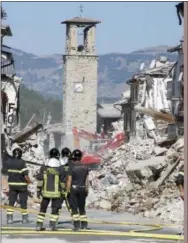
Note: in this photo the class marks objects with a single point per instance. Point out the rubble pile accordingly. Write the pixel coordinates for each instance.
(139, 178)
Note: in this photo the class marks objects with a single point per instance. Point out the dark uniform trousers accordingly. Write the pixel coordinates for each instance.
(43, 208)
(14, 193)
(78, 199)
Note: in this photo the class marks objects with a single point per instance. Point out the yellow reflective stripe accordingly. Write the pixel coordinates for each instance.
(75, 217)
(40, 218)
(24, 169)
(83, 218)
(181, 173)
(10, 212)
(45, 182)
(54, 217)
(56, 183)
(17, 183)
(15, 171)
(24, 213)
(50, 195)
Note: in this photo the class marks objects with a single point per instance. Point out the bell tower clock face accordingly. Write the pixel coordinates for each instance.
(78, 87)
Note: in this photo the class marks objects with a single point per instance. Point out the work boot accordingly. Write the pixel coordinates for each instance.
(9, 219)
(76, 225)
(25, 219)
(84, 225)
(53, 226)
(39, 226)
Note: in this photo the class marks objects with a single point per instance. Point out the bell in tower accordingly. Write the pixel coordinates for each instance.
(80, 64)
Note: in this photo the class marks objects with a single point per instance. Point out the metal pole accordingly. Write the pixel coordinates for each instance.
(185, 50)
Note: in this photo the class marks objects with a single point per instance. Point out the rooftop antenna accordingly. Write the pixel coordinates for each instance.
(81, 9)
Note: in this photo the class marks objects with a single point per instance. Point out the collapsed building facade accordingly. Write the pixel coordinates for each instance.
(10, 85)
(154, 102)
(11, 134)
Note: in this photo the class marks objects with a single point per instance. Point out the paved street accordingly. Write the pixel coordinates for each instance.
(98, 232)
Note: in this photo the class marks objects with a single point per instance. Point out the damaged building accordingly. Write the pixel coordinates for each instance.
(175, 86)
(10, 84)
(147, 98)
(11, 135)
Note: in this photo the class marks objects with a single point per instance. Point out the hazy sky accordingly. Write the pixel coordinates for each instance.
(125, 27)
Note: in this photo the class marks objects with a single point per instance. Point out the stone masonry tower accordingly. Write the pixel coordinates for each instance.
(80, 75)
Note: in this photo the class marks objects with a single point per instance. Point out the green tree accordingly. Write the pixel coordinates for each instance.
(33, 102)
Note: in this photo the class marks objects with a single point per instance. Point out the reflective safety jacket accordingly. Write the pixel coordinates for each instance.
(49, 180)
(180, 179)
(16, 170)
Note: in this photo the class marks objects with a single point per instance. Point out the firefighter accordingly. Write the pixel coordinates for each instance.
(65, 161)
(18, 180)
(65, 156)
(77, 185)
(49, 187)
(180, 183)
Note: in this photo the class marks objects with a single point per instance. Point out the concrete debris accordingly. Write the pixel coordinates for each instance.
(126, 181)
(26, 133)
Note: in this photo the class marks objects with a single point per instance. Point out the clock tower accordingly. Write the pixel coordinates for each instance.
(80, 75)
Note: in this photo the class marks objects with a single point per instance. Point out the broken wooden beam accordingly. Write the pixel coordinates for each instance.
(157, 115)
(169, 170)
(26, 133)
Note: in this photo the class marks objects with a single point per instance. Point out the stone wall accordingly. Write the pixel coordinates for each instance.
(80, 109)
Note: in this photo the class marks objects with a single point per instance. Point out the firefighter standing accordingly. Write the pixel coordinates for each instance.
(49, 186)
(65, 161)
(18, 180)
(180, 183)
(77, 185)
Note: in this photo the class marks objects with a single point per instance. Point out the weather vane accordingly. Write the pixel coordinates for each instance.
(81, 10)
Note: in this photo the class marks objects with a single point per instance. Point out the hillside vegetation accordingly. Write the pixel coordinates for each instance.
(45, 73)
(32, 102)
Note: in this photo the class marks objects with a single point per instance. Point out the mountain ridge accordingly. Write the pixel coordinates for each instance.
(44, 73)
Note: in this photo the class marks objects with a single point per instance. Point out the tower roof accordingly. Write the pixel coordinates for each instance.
(80, 20)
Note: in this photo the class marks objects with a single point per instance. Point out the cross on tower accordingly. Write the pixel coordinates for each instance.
(81, 10)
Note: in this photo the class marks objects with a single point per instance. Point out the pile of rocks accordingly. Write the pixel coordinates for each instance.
(139, 178)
